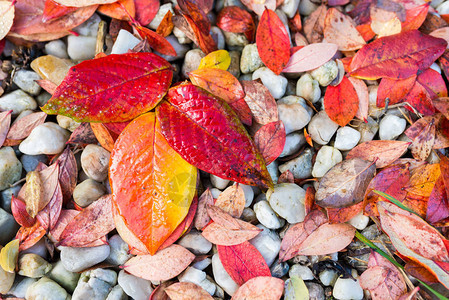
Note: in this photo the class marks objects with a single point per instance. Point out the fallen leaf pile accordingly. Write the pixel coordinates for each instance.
(168, 133)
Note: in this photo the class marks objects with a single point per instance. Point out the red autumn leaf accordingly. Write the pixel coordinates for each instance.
(146, 10)
(262, 287)
(201, 39)
(54, 10)
(120, 10)
(18, 209)
(92, 92)
(442, 105)
(187, 291)
(362, 93)
(232, 200)
(68, 173)
(260, 101)
(341, 102)
(270, 140)
(441, 129)
(310, 57)
(414, 17)
(383, 153)
(202, 217)
(156, 41)
(341, 30)
(163, 265)
(48, 217)
(236, 19)
(243, 262)
(217, 143)
(438, 204)
(344, 214)
(5, 122)
(29, 236)
(23, 127)
(199, 17)
(423, 143)
(273, 42)
(383, 57)
(417, 270)
(83, 134)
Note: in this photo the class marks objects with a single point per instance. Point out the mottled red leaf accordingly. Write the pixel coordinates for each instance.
(236, 19)
(146, 10)
(217, 143)
(110, 89)
(438, 204)
(54, 10)
(201, 39)
(29, 236)
(341, 102)
(383, 153)
(221, 235)
(262, 287)
(314, 24)
(243, 262)
(156, 41)
(18, 209)
(48, 217)
(414, 17)
(417, 270)
(270, 140)
(198, 16)
(397, 56)
(442, 105)
(310, 57)
(273, 42)
(344, 214)
(68, 173)
(423, 143)
(260, 101)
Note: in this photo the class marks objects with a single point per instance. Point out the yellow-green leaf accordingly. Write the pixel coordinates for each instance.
(219, 59)
(9, 255)
(296, 289)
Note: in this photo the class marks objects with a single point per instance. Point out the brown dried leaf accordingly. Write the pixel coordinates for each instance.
(340, 29)
(34, 194)
(68, 173)
(423, 143)
(232, 200)
(314, 25)
(187, 291)
(202, 217)
(260, 101)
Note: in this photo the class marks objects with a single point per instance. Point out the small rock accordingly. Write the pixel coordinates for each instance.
(163, 9)
(268, 243)
(273, 171)
(196, 243)
(346, 288)
(306, 7)
(26, 81)
(95, 284)
(373, 111)
(287, 200)
(218, 37)
(301, 167)
(10, 168)
(294, 113)
(87, 192)
(234, 67)
(66, 279)
(51, 68)
(250, 60)
(359, 221)
(443, 8)
(326, 73)
(308, 88)
(316, 291)
(249, 194)
(321, 128)
(248, 215)
(435, 67)
(391, 127)
(67, 123)
(368, 130)
(81, 47)
(202, 264)
(279, 269)
(197, 277)
(192, 61)
(95, 162)
(266, 215)
(180, 49)
(235, 39)
(56, 48)
(135, 287)
(276, 84)
(293, 142)
(119, 251)
(43, 98)
(218, 182)
(125, 41)
(181, 36)
(326, 158)
(48, 138)
(347, 138)
(328, 277)
(221, 277)
(32, 265)
(46, 288)
(302, 272)
(90, 27)
(289, 7)
(8, 226)
(21, 286)
(6, 196)
(30, 162)
(17, 101)
(78, 259)
(117, 293)
(40, 249)
(215, 192)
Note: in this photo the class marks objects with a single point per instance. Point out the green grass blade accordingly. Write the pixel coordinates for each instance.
(393, 200)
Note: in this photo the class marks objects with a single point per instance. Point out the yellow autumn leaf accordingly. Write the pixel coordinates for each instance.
(297, 289)
(219, 59)
(9, 255)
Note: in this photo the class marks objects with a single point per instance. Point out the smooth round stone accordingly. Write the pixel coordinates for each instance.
(279, 269)
(266, 215)
(306, 7)
(250, 60)
(316, 291)
(268, 243)
(117, 293)
(197, 277)
(192, 61)
(301, 167)
(30, 162)
(234, 67)
(221, 277)
(373, 111)
(249, 194)
(46, 288)
(135, 287)
(215, 192)
(17, 101)
(21, 286)
(78, 259)
(67, 123)
(8, 227)
(235, 39)
(391, 127)
(39, 249)
(273, 171)
(328, 277)
(56, 48)
(321, 128)
(163, 9)
(368, 130)
(347, 289)
(293, 142)
(347, 138)
(32, 265)
(326, 158)
(125, 41)
(294, 113)
(287, 200)
(302, 272)
(276, 84)
(6, 196)
(95, 284)
(202, 264)
(25, 80)
(196, 243)
(87, 192)
(48, 138)
(443, 8)
(218, 182)
(10, 167)
(95, 162)
(180, 49)
(248, 215)
(52, 68)
(359, 221)
(308, 88)
(43, 98)
(289, 7)
(81, 47)
(326, 73)
(218, 37)
(119, 251)
(90, 27)
(181, 36)
(66, 279)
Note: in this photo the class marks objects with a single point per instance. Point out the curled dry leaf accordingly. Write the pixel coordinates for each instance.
(5, 121)
(165, 28)
(344, 214)
(382, 153)
(163, 265)
(232, 200)
(222, 218)
(7, 13)
(9, 256)
(442, 105)
(92, 93)
(34, 194)
(68, 173)
(341, 30)
(341, 102)
(219, 59)
(310, 57)
(187, 291)
(202, 217)
(345, 184)
(29, 236)
(415, 17)
(260, 101)
(262, 288)
(243, 262)
(49, 216)
(270, 140)
(82, 3)
(259, 7)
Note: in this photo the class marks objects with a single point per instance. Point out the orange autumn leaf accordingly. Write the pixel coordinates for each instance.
(232, 200)
(166, 26)
(186, 291)
(103, 135)
(341, 30)
(341, 215)
(121, 9)
(341, 102)
(422, 180)
(414, 17)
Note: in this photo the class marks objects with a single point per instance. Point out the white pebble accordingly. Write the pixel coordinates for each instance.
(218, 37)
(326, 73)
(249, 194)
(119, 253)
(308, 88)
(81, 47)
(294, 113)
(125, 41)
(235, 39)
(10, 169)
(306, 7)
(95, 162)
(302, 272)
(17, 101)
(289, 7)
(391, 127)
(368, 130)
(195, 242)
(276, 84)
(90, 27)
(197, 277)
(135, 287)
(273, 171)
(321, 128)
(215, 192)
(346, 288)
(221, 277)
(359, 221)
(301, 166)
(268, 243)
(218, 182)
(57, 48)
(293, 142)
(325, 159)
(48, 138)
(26, 81)
(78, 259)
(287, 200)
(181, 36)
(192, 61)
(266, 215)
(328, 277)
(347, 138)
(250, 60)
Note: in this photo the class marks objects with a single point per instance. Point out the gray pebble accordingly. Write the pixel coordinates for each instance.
(25, 80)
(30, 162)
(78, 259)
(8, 227)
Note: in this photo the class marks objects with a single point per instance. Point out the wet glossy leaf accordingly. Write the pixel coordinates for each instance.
(147, 173)
(362, 93)
(54, 10)
(217, 143)
(270, 140)
(82, 3)
(383, 153)
(202, 39)
(103, 136)
(383, 57)
(186, 291)
(9, 256)
(438, 205)
(232, 200)
(262, 287)
(219, 59)
(340, 29)
(202, 217)
(163, 265)
(5, 122)
(341, 102)
(236, 19)
(310, 57)
(345, 184)
(135, 245)
(29, 236)
(243, 262)
(146, 10)
(260, 101)
(23, 127)
(156, 41)
(18, 209)
(166, 26)
(91, 92)
(273, 42)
